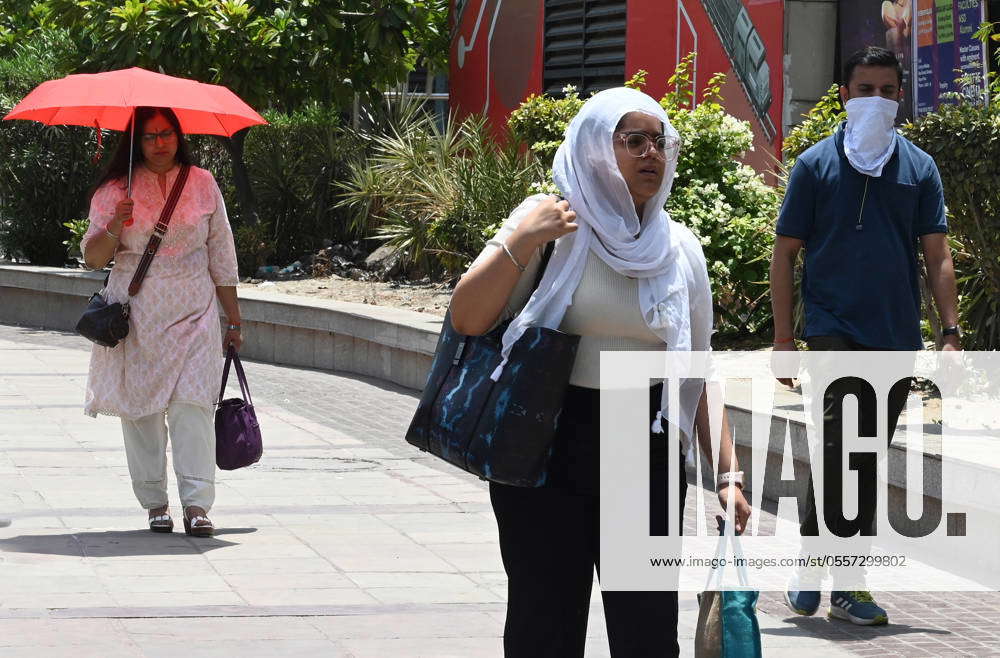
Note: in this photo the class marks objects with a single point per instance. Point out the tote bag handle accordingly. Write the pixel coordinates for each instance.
(232, 357)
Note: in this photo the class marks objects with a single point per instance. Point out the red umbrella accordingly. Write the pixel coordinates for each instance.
(108, 100)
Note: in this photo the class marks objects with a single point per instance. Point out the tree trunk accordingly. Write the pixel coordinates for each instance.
(241, 178)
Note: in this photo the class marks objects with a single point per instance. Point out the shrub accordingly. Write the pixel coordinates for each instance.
(293, 165)
(45, 172)
(540, 122)
(820, 122)
(964, 140)
(726, 203)
(254, 247)
(437, 195)
(77, 229)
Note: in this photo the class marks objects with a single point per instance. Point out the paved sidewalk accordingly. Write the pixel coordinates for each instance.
(343, 541)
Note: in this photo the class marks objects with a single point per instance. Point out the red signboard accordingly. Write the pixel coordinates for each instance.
(497, 56)
(744, 40)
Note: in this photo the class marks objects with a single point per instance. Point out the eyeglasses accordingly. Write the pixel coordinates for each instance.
(165, 135)
(639, 144)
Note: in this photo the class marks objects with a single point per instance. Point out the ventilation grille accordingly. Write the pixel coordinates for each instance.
(584, 45)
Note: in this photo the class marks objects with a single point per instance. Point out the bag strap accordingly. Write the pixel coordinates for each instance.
(158, 231)
(720, 552)
(233, 357)
(546, 256)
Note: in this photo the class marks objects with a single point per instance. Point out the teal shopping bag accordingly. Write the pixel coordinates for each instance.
(740, 631)
(727, 620)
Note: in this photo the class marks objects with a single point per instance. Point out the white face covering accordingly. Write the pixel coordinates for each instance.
(870, 138)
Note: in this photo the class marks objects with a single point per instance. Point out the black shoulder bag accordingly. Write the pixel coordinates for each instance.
(107, 324)
(500, 431)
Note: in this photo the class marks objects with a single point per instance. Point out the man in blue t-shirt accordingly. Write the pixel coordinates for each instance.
(859, 202)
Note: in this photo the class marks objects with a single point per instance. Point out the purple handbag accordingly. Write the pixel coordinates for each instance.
(237, 433)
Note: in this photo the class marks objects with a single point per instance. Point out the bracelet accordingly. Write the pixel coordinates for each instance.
(112, 235)
(520, 268)
(784, 340)
(727, 478)
(233, 327)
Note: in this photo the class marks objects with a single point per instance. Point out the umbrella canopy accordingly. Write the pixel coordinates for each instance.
(109, 99)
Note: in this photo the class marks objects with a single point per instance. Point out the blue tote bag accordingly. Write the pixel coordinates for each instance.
(500, 431)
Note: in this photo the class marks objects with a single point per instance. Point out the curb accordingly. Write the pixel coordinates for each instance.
(391, 344)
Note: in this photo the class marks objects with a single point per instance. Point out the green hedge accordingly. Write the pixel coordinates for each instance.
(294, 165)
(964, 140)
(45, 172)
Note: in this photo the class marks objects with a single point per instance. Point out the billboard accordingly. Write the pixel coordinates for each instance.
(889, 25)
(933, 39)
(946, 51)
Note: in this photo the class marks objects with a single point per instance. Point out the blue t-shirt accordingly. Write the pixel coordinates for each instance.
(861, 235)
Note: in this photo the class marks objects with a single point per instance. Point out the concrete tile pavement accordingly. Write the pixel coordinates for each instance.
(344, 541)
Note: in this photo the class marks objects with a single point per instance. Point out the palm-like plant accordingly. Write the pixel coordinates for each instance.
(435, 194)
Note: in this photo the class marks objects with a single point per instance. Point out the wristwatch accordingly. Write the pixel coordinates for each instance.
(953, 330)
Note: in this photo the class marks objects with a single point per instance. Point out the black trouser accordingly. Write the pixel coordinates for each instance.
(833, 443)
(550, 543)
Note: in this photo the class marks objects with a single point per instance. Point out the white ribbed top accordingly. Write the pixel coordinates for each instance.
(605, 314)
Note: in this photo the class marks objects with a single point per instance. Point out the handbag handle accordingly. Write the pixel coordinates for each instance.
(720, 552)
(233, 357)
(158, 231)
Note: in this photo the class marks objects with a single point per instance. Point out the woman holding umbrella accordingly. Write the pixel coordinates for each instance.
(166, 373)
(168, 370)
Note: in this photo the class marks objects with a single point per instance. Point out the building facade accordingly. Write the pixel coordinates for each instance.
(779, 56)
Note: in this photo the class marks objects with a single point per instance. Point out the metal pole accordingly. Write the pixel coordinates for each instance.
(131, 149)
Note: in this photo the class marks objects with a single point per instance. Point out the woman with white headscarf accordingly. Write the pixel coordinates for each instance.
(623, 276)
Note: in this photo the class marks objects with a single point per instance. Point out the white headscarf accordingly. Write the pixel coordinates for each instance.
(586, 172)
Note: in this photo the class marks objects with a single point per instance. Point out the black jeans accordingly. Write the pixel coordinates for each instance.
(833, 443)
(550, 544)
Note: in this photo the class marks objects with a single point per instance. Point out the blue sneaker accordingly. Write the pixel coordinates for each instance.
(858, 608)
(805, 602)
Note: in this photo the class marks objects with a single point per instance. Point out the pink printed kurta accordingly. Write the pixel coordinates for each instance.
(173, 352)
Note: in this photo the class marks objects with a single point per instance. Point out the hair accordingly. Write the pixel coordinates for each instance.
(872, 56)
(117, 167)
(621, 122)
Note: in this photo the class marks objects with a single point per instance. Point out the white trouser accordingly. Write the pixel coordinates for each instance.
(192, 439)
